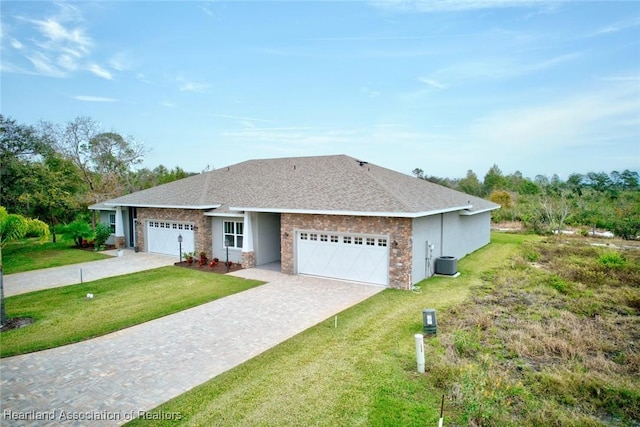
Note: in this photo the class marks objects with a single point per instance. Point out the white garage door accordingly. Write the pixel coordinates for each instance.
(357, 257)
(162, 237)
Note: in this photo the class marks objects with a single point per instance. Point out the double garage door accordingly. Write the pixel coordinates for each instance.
(357, 257)
(162, 237)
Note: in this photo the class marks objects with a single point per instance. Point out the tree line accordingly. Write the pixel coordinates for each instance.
(55, 171)
(609, 201)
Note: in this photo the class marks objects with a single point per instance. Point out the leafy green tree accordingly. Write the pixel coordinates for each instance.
(493, 180)
(14, 227)
(419, 173)
(20, 147)
(626, 219)
(470, 184)
(599, 181)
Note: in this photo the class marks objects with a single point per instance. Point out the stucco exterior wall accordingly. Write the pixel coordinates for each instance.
(202, 225)
(266, 237)
(452, 234)
(425, 229)
(217, 243)
(398, 229)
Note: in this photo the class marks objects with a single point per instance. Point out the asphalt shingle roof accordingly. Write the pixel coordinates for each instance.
(336, 183)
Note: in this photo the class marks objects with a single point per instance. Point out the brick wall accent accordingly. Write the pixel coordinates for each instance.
(202, 234)
(248, 259)
(398, 229)
(119, 242)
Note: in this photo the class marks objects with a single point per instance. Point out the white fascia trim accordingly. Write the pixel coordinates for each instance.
(142, 205)
(101, 208)
(354, 213)
(224, 214)
(468, 213)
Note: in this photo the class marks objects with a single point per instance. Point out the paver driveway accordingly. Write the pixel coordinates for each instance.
(131, 262)
(108, 380)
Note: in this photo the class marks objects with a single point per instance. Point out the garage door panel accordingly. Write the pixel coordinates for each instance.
(346, 257)
(162, 237)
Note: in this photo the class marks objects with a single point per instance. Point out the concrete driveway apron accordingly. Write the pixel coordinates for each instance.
(112, 379)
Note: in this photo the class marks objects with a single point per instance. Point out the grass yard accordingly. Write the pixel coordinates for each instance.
(362, 373)
(64, 315)
(29, 254)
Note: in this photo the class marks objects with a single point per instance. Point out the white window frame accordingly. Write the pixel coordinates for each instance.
(235, 232)
(112, 223)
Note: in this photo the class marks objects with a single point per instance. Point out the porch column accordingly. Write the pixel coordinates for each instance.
(119, 234)
(248, 254)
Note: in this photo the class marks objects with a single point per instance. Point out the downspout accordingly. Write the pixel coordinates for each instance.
(442, 234)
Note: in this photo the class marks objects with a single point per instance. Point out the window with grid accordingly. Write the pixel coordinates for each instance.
(233, 234)
(112, 223)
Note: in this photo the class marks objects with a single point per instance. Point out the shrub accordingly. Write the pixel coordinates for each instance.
(612, 260)
(101, 234)
(78, 230)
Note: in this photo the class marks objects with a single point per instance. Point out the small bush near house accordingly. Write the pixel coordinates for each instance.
(101, 234)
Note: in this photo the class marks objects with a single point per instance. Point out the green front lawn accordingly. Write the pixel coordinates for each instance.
(64, 315)
(362, 373)
(29, 254)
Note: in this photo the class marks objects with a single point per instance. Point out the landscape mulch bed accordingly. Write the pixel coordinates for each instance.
(15, 323)
(220, 268)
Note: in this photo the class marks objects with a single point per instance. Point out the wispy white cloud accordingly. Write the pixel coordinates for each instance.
(433, 83)
(573, 121)
(87, 98)
(59, 45)
(143, 78)
(502, 67)
(16, 44)
(99, 71)
(167, 104)
(244, 118)
(44, 65)
(121, 61)
(189, 86)
(618, 26)
(58, 37)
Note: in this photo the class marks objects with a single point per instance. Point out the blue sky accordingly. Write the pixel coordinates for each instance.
(447, 86)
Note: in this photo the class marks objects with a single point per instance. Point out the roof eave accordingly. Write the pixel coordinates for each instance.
(479, 211)
(159, 206)
(351, 213)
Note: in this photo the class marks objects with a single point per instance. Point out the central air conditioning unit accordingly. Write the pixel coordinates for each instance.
(447, 265)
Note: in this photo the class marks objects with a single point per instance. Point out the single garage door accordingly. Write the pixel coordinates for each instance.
(357, 257)
(162, 237)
